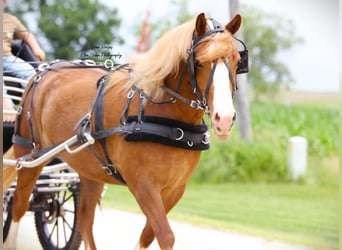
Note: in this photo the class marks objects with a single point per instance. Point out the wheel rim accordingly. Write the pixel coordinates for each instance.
(59, 220)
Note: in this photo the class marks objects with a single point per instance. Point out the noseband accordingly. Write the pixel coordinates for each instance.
(201, 101)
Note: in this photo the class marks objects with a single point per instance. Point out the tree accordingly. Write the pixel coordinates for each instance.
(242, 100)
(71, 27)
(266, 36)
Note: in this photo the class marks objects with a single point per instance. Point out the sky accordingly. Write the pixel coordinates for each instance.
(314, 64)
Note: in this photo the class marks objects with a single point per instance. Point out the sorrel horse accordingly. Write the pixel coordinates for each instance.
(146, 118)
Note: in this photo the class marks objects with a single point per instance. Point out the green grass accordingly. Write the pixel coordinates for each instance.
(264, 159)
(244, 187)
(298, 213)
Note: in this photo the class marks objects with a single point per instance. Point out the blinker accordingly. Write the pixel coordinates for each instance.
(243, 63)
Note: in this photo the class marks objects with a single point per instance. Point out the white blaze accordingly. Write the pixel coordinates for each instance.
(223, 101)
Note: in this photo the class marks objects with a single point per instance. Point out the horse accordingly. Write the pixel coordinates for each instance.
(146, 119)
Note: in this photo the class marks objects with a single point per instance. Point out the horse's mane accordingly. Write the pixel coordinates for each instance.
(148, 70)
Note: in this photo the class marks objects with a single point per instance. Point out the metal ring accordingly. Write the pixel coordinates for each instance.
(182, 134)
(107, 170)
(130, 94)
(18, 166)
(206, 138)
(37, 78)
(43, 66)
(90, 62)
(190, 143)
(108, 64)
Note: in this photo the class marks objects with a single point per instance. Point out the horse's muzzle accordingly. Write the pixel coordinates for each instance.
(222, 125)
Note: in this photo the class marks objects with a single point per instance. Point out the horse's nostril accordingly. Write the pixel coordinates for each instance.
(234, 117)
(217, 117)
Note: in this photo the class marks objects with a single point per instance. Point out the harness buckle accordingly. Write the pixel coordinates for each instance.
(37, 79)
(196, 105)
(204, 101)
(20, 110)
(107, 170)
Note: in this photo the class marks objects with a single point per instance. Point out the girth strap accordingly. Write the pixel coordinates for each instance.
(170, 132)
(98, 116)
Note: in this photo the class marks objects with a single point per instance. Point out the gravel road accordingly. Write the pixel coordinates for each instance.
(120, 230)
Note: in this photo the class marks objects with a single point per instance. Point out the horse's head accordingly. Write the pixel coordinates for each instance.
(214, 59)
(209, 52)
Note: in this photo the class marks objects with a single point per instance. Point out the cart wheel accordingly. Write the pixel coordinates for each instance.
(6, 219)
(57, 226)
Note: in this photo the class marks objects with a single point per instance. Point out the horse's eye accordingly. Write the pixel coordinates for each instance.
(198, 64)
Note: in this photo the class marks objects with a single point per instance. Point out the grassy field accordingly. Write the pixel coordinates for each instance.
(313, 99)
(297, 213)
(328, 100)
(304, 212)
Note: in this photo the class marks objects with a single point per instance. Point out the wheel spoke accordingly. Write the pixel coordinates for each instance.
(67, 223)
(58, 226)
(69, 210)
(52, 231)
(65, 230)
(66, 199)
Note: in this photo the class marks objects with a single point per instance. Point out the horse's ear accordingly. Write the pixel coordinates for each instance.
(234, 25)
(201, 24)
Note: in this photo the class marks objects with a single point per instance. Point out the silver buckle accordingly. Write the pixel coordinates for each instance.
(206, 138)
(182, 134)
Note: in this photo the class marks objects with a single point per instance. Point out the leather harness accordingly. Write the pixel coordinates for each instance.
(140, 127)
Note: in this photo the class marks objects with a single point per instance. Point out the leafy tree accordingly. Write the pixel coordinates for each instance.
(71, 27)
(266, 35)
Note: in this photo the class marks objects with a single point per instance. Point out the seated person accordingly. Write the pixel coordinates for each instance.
(14, 29)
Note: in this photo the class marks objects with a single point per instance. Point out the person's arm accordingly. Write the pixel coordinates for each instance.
(32, 42)
(22, 33)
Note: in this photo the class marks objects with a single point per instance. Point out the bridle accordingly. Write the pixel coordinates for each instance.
(191, 63)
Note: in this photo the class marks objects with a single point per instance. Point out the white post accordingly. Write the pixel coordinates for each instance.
(297, 157)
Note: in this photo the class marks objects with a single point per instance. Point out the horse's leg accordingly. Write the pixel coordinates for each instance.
(170, 199)
(90, 193)
(9, 172)
(26, 181)
(146, 237)
(157, 224)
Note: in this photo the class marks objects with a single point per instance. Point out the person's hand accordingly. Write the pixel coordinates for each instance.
(40, 54)
(36, 49)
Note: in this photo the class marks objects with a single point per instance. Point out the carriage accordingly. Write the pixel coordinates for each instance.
(140, 125)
